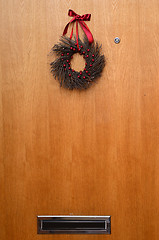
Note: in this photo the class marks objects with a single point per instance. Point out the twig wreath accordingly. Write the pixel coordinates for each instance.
(67, 47)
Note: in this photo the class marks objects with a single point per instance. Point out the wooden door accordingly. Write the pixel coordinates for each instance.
(94, 152)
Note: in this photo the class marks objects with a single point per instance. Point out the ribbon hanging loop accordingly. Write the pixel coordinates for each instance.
(79, 19)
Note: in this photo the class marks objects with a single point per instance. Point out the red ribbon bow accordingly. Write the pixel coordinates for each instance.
(79, 19)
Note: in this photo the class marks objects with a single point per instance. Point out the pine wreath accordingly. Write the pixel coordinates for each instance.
(66, 48)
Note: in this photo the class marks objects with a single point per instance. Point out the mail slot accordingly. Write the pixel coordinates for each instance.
(73, 224)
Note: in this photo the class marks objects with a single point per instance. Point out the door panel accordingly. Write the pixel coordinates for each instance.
(94, 152)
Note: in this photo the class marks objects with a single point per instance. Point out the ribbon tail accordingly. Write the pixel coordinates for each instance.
(71, 32)
(87, 31)
(66, 28)
(77, 35)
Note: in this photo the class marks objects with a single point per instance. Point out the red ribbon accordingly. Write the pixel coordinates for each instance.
(79, 19)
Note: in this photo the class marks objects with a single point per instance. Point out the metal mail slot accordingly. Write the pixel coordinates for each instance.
(74, 224)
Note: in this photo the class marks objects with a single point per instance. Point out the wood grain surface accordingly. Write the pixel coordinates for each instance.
(94, 152)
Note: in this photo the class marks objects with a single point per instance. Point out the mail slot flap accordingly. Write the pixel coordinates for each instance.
(73, 224)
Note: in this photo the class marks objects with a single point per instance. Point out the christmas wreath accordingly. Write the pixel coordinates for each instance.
(67, 47)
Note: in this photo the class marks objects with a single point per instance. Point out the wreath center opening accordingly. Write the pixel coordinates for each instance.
(78, 62)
